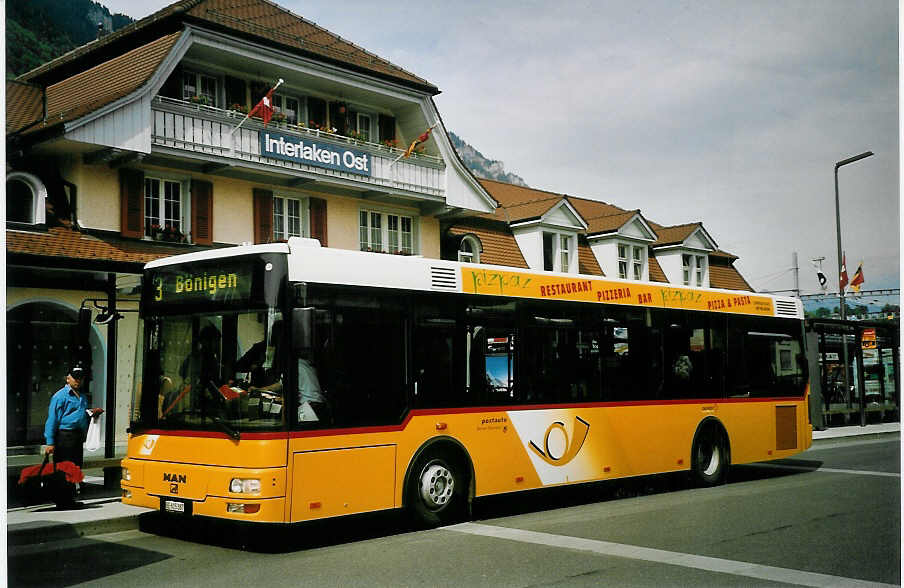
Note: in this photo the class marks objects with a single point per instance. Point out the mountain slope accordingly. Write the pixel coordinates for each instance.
(491, 169)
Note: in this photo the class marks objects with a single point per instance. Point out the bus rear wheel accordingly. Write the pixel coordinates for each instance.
(438, 490)
(709, 456)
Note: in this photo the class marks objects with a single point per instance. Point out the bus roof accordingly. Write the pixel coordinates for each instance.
(308, 262)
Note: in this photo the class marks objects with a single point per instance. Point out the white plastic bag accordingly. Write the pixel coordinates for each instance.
(92, 443)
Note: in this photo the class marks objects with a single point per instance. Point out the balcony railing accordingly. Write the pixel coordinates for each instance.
(206, 129)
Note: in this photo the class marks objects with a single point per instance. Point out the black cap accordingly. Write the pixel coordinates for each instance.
(78, 372)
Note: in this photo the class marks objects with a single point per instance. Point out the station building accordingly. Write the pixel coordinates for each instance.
(136, 146)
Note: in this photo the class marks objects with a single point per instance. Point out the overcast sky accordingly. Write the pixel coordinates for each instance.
(732, 113)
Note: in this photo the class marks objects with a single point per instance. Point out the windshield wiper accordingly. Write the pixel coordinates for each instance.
(218, 421)
(226, 428)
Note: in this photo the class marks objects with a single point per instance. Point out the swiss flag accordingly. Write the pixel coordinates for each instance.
(264, 108)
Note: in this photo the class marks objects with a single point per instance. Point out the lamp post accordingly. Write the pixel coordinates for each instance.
(847, 385)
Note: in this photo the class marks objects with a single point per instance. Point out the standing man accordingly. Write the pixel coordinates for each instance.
(67, 420)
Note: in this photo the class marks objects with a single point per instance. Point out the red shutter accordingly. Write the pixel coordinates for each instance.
(131, 203)
(263, 216)
(202, 212)
(318, 220)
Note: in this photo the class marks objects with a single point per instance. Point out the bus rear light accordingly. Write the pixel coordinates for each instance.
(607, 469)
(519, 479)
(314, 505)
(441, 426)
(680, 462)
(243, 508)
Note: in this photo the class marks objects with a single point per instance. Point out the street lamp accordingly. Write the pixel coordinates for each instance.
(847, 385)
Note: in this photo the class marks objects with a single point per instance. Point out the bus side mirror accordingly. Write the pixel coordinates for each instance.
(302, 330)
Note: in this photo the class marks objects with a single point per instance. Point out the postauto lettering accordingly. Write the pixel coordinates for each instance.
(289, 148)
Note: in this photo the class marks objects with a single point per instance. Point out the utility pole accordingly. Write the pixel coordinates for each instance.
(796, 274)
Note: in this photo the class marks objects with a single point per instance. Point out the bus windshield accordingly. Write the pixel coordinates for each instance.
(218, 371)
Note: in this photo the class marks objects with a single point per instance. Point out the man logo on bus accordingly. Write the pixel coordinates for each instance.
(559, 456)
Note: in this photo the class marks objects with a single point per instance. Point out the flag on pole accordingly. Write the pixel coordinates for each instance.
(263, 109)
(820, 276)
(407, 153)
(857, 280)
(422, 139)
(843, 278)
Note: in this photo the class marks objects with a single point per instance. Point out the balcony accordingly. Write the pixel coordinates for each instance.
(311, 153)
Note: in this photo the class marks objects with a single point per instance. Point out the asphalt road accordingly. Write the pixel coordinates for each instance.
(829, 517)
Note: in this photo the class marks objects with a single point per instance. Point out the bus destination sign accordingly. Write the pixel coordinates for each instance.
(500, 282)
(197, 285)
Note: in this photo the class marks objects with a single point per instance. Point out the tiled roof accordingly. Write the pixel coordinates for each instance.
(90, 90)
(726, 276)
(591, 210)
(587, 263)
(499, 246)
(25, 100)
(674, 234)
(609, 223)
(260, 19)
(67, 244)
(656, 273)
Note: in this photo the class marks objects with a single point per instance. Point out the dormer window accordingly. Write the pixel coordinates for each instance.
(25, 195)
(469, 249)
(631, 260)
(693, 266)
(558, 251)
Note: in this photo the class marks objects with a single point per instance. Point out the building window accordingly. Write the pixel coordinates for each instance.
(197, 87)
(557, 252)
(469, 250)
(385, 232)
(700, 269)
(287, 218)
(623, 261)
(164, 208)
(564, 252)
(638, 263)
(289, 106)
(25, 195)
(363, 126)
(686, 269)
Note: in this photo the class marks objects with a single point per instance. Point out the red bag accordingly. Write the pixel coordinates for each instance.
(50, 482)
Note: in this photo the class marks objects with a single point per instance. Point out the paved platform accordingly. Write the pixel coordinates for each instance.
(100, 510)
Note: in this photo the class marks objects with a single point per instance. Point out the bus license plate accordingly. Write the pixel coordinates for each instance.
(174, 506)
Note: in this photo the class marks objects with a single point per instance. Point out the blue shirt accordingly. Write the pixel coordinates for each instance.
(67, 411)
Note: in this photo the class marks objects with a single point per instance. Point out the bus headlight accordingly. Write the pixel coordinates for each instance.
(126, 475)
(245, 486)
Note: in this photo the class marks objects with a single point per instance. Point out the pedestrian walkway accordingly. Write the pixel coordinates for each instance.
(100, 509)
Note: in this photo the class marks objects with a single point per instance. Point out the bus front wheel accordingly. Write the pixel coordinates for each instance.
(438, 490)
(709, 456)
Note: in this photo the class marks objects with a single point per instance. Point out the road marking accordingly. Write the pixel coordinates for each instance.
(699, 562)
(822, 469)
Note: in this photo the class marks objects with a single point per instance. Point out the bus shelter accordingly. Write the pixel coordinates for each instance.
(869, 353)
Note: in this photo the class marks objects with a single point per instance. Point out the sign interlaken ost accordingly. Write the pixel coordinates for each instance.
(317, 153)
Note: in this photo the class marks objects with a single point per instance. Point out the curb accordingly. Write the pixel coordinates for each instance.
(44, 531)
(865, 436)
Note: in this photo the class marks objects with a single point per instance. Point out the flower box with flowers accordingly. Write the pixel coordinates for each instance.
(199, 100)
(172, 235)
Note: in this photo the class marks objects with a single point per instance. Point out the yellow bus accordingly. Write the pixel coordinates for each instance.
(286, 382)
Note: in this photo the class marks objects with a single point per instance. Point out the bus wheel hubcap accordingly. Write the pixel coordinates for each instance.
(714, 459)
(436, 486)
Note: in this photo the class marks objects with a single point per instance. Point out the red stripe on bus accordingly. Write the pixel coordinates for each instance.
(465, 410)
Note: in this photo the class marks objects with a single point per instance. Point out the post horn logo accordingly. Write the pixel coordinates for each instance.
(572, 446)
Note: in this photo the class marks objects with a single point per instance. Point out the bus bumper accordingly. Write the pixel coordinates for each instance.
(268, 510)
